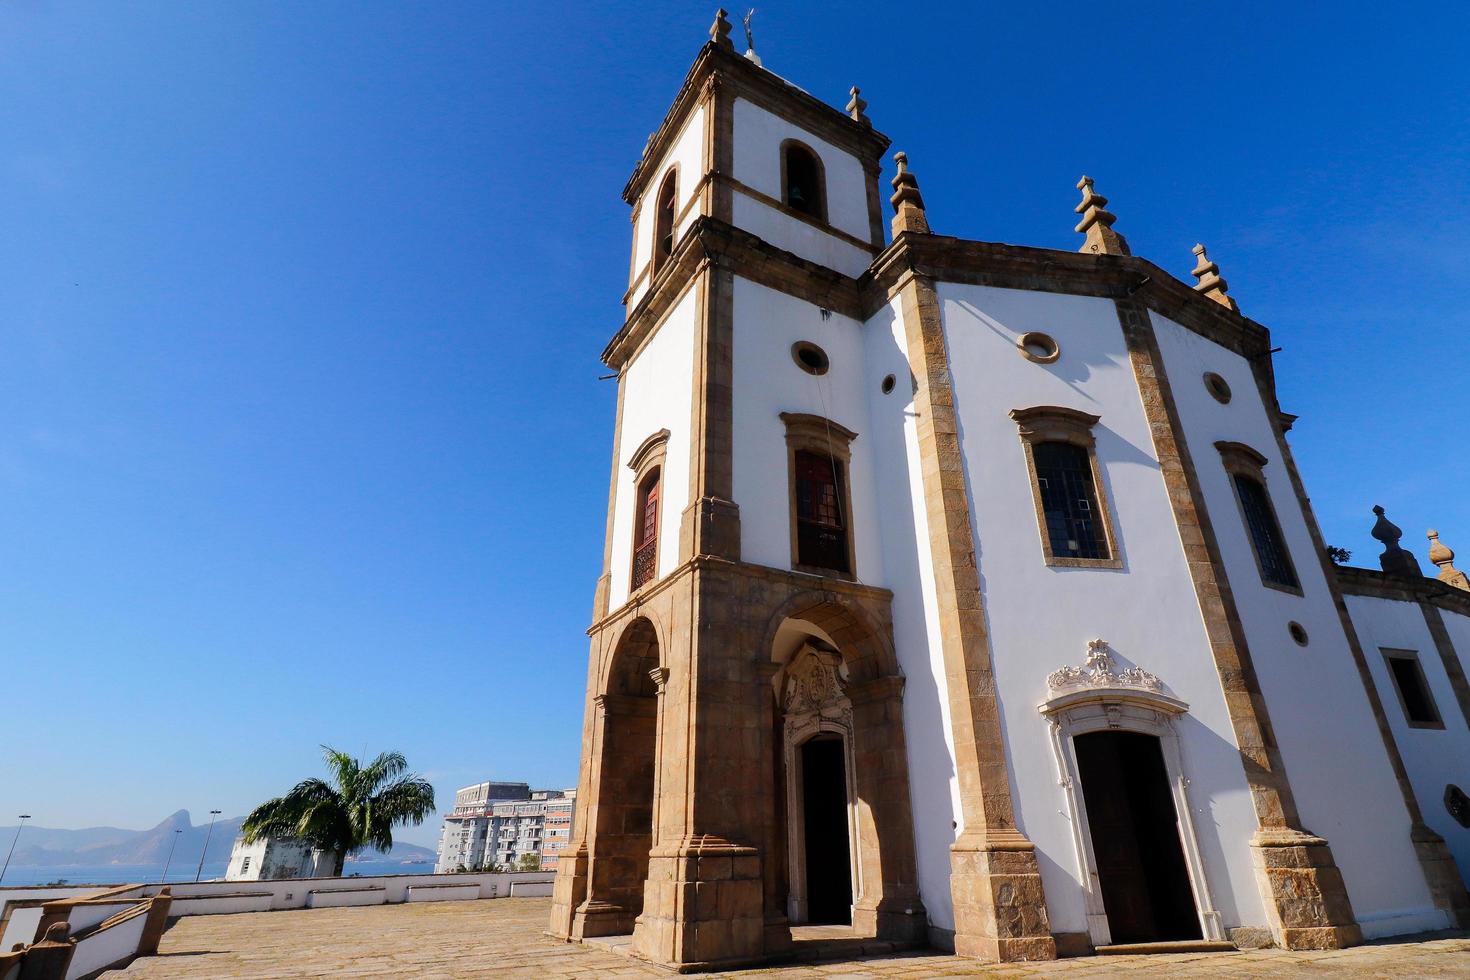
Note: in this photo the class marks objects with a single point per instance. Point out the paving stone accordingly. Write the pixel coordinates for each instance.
(505, 939)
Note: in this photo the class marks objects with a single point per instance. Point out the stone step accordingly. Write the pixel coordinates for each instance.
(1177, 946)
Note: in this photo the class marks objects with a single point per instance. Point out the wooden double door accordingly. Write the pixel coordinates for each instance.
(1135, 838)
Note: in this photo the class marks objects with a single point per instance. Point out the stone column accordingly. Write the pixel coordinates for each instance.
(999, 905)
(1304, 891)
(889, 906)
(704, 902)
(775, 866)
(569, 891)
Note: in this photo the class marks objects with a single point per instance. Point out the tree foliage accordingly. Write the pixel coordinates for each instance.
(357, 808)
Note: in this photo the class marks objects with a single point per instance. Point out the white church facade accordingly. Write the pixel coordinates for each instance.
(968, 593)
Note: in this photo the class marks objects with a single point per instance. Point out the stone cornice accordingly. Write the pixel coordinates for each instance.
(1373, 584)
(946, 259)
(800, 581)
(941, 259)
(709, 241)
(765, 89)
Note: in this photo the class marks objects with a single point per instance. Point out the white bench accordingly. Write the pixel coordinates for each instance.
(443, 893)
(530, 889)
(333, 898)
(221, 904)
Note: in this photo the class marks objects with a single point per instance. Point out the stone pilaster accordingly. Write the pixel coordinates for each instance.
(995, 883)
(1440, 871)
(1304, 892)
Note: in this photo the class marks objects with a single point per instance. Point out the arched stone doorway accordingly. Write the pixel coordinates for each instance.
(842, 844)
(621, 814)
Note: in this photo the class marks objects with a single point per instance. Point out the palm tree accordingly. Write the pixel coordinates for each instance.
(358, 809)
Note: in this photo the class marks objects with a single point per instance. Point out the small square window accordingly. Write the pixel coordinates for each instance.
(1413, 689)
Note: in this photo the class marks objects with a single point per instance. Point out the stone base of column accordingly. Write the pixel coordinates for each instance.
(896, 920)
(703, 907)
(1442, 875)
(568, 892)
(593, 919)
(999, 906)
(1307, 899)
(777, 935)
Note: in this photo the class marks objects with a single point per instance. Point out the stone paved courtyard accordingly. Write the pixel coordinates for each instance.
(503, 939)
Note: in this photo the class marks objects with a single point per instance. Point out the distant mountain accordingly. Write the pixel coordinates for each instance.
(48, 847)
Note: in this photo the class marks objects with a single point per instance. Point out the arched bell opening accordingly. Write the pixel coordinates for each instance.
(622, 811)
(841, 774)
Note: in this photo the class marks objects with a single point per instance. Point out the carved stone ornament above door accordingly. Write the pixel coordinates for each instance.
(1101, 680)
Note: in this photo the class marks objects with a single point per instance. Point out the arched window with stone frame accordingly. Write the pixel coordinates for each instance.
(647, 466)
(666, 203)
(819, 452)
(1246, 469)
(803, 180)
(1067, 488)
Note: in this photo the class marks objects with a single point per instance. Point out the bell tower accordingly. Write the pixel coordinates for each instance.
(733, 569)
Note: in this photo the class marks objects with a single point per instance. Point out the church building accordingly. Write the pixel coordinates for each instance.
(967, 594)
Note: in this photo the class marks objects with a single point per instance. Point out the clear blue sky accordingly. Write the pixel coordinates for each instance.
(301, 437)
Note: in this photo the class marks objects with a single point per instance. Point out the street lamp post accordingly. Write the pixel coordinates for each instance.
(170, 857)
(23, 818)
(200, 870)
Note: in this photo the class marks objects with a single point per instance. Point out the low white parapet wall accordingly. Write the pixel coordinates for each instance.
(20, 908)
(335, 898)
(302, 893)
(447, 892)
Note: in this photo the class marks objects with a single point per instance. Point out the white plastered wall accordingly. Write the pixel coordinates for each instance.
(1458, 627)
(888, 520)
(766, 382)
(1335, 760)
(757, 164)
(1040, 617)
(687, 153)
(1433, 757)
(908, 564)
(657, 395)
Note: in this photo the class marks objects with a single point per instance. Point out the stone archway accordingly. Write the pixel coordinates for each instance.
(840, 684)
(620, 814)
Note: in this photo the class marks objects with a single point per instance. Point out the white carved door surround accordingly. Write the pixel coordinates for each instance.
(1099, 697)
(814, 701)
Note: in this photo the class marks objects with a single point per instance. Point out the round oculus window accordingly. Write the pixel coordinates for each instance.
(809, 357)
(1298, 633)
(1218, 388)
(1458, 804)
(1038, 347)
(888, 383)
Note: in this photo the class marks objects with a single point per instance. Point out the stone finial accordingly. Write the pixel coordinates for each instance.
(908, 204)
(1444, 559)
(1097, 223)
(1394, 560)
(719, 31)
(855, 107)
(1210, 284)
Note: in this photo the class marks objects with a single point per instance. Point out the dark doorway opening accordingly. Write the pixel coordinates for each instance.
(824, 812)
(1135, 838)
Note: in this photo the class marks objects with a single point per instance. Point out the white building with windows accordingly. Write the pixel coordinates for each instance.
(274, 858)
(501, 823)
(467, 828)
(969, 592)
